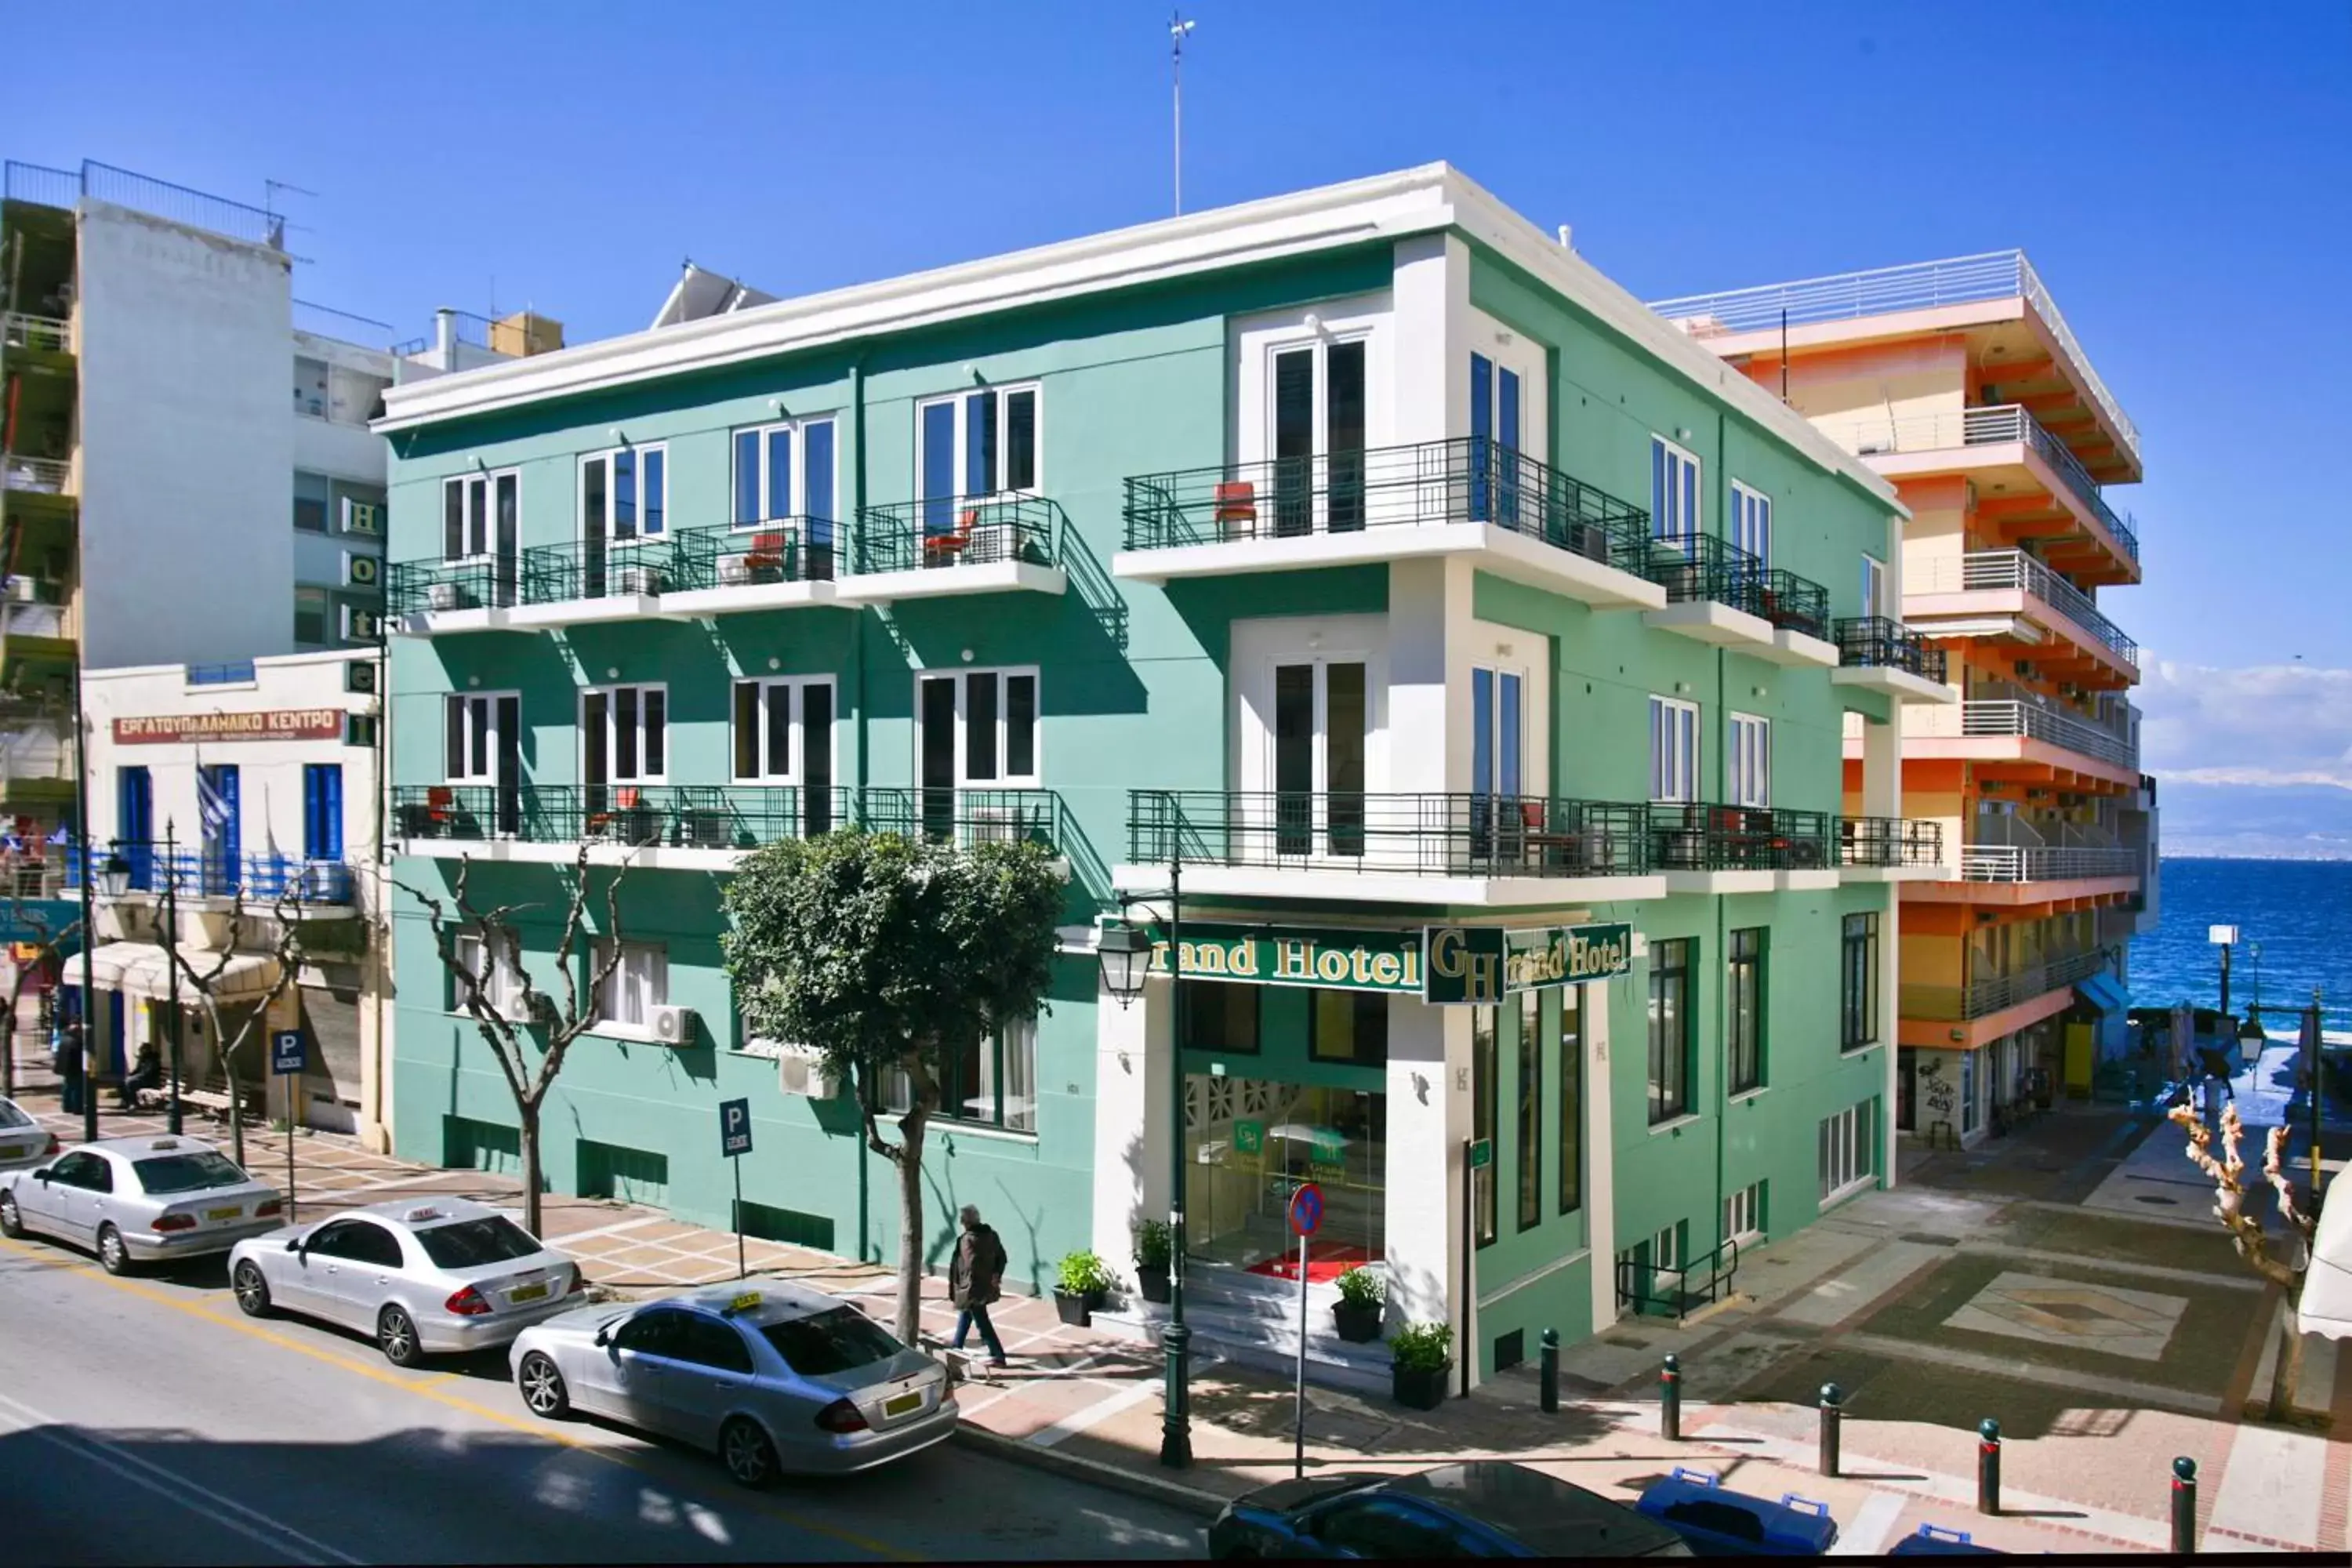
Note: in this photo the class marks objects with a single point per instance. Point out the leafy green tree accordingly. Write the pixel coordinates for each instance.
(881, 952)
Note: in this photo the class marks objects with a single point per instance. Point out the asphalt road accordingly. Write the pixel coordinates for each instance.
(147, 1421)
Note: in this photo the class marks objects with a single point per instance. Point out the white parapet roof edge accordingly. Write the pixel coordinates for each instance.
(1431, 198)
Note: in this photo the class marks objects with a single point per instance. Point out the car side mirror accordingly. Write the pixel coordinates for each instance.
(42, 1175)
(604, 1338)
(293, 1244)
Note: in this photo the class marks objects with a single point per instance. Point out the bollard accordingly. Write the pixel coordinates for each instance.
(2184, 1507)
(1831, 1418)
(1988, 1466)
(1670, 1401)
(1550, 1370)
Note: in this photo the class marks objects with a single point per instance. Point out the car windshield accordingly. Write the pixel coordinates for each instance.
(11, 1117)
(187, 1173)
(470, 1243)
(839, 1339)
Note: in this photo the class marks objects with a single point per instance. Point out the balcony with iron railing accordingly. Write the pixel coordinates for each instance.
(21, 333)
(1890, 844)
(39, 476)
(1880, 642)
(776, 562)
(2046, 863)
(2015, 572)
(1992, 994)
(1386, 503)
(1890, 291)
(1367, 836)
(1718, 593)
(441, 590)
(2027, 720)
(128, 867)
(958, 545)
(1699, 836)
(2001, 424)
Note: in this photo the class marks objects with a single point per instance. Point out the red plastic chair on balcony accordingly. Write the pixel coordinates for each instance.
(1236, 509)
(766, 553)
(947, 549)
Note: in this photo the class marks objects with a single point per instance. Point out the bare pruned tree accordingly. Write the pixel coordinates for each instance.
(501, 975)
(287, 950)
(2253, 1241)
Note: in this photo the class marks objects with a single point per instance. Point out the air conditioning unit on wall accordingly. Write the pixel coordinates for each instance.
(673, 1025)
(802, 1072)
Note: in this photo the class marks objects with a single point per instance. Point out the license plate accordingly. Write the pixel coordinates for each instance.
(898, 1405)
(527, 1293)
(231, 1212)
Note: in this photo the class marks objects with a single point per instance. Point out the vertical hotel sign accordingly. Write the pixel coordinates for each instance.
(1480, 965)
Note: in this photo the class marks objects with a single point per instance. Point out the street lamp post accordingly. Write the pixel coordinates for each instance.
(1126, 957)
(88, 1042)
(172, 965)
(2223, 937)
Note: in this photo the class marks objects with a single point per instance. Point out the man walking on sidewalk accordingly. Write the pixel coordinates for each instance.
(973, 1276)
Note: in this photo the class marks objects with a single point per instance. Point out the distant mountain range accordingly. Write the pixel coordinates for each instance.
(2255, 822)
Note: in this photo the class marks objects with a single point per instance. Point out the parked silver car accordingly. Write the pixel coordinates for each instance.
(23, 1140)
(447, 1276)
(772, 1376)
(140, 1200)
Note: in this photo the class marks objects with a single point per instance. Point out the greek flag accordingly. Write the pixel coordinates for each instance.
(212, 806)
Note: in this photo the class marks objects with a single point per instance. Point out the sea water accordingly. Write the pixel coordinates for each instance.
(2297, 913)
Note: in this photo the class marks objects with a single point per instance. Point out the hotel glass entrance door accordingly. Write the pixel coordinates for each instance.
(1251, 1143)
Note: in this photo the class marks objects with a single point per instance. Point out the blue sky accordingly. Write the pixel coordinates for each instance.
(2179, 176)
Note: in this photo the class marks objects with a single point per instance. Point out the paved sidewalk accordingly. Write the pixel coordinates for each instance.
(2106, 1344)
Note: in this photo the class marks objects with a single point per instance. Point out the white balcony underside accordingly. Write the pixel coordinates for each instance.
(1311, 884)
(1900, 684)
(1705, 620)
(948, 582)
(1815, 880)
(749, 596)
(639, 858)
(1894, 873)
(1494, 550)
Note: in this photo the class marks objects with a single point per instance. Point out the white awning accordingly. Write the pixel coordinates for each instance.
(2327, 1285)
(140, 969)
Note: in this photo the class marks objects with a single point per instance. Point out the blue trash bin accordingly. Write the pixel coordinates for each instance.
(1717, 1522)
(1935, 1541)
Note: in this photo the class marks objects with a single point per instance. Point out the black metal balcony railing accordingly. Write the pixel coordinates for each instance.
(1464, 479)
(1693, 836)
(781, 550)
(198, 872)
(415, 587)
(1694, 568)
(1885, 841)
(1990, 993)
(597, 568)
(1880, 642)
(716, 816)
(1428, 835)
(958, 530)
(1791, 603)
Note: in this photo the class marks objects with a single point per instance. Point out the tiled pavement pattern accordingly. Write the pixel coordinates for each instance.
(1875, 1298)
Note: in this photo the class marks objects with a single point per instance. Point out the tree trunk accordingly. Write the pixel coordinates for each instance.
(2286, 1368)
(530, 1131)
(910, 1223)
(235, 1106)
(8, 1052)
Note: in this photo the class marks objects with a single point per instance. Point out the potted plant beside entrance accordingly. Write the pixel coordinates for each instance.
(1420, 1355)
(1154, 1247)
(1084, 1280)
(1358, 1310)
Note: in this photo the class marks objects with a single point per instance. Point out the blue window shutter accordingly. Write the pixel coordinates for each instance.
(747, 477)
(779, 474)
(1506, 411)
(816, 485)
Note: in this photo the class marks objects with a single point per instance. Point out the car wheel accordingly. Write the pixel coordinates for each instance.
(12, 1224)
(252, 1291)
(542, 1388)
(395, 1334)
(750, 1456)
(112, 1256)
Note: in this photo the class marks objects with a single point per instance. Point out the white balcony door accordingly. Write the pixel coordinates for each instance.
(1311, 401)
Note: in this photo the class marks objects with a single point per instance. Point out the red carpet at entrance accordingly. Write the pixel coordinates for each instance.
(1325, 1261)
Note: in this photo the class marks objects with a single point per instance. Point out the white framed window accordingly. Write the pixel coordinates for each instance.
(481, 513)
(992, 1079)
(978, 727)
(1845, 1149)
(986, 443)
(783, 730)
(503, 990)
(1743, 1215)
(624, 493)
(478, 728)
(1497, 731)
(1673, 750)
(1675, 511)
(638, 984)
(1874, 585)
(1747, 761)
(1751, 521)
(784, 471)
(624, 734)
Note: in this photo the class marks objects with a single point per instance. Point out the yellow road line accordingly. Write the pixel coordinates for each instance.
(204, 1306)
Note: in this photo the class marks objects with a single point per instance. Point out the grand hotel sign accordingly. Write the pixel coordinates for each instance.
(1447, 965)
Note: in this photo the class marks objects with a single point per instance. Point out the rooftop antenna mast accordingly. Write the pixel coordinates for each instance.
(1177, 28)
(271, 189)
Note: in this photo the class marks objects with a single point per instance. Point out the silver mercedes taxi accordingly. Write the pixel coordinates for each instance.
(140, 1200)
(23, 1142)
(773, 1377)
(421, 1279)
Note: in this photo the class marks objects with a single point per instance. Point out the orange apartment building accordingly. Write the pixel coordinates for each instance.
(1960, 381)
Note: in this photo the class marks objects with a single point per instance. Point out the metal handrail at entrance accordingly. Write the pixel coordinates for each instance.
(1437, 835)
(1651, 1292)
(1464, 479)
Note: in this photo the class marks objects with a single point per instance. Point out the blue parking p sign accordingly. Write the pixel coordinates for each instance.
(285, 1052)
(734, 1127)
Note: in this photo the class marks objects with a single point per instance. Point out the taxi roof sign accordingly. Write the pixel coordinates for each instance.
(419, 1216)
(165, 1144)
(744, 1301)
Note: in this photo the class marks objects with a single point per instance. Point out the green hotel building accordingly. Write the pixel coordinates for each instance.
(1470, 648)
